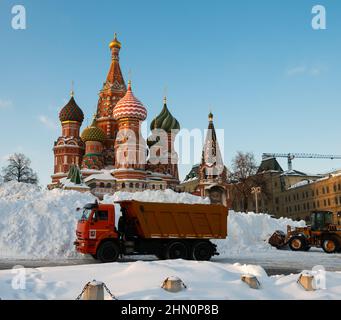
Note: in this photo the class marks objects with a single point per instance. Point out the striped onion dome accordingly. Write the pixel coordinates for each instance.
(129, 107)
(93, 133)
(71, 112)
(165, 120)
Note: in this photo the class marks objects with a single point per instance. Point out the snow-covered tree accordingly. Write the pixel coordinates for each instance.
(19, 170)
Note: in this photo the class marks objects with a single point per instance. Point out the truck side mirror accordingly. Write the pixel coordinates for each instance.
(78, 209)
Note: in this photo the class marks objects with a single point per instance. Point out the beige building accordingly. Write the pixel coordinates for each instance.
(292, 194)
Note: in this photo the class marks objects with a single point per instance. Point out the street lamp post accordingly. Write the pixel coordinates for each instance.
(256, 191)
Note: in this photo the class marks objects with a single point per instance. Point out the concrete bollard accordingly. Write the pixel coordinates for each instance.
(251, 281)
(94, 291)
(173, 284)
(306, 280)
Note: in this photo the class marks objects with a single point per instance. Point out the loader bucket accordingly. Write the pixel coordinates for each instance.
(277, 239)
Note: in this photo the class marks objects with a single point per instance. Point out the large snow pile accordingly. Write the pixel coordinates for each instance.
(143, 280)
(166, 196)
(37, 223)
(249, 232)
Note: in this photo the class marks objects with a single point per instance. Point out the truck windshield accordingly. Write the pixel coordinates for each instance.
(86, 214)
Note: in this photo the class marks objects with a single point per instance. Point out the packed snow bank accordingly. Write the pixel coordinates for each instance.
(166, 196)
(37, 223)
(249, 232)
(143, 280)
(40, 224)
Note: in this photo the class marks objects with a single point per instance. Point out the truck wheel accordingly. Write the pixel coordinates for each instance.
(330, 245)
(176, 250)
(298, 243)
(94, 256)
(108, 252)
(202, 251)
(160, 256)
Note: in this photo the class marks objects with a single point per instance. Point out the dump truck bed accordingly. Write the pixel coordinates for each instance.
(173, 220)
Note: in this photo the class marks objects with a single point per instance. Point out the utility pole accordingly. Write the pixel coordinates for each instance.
(256, 191)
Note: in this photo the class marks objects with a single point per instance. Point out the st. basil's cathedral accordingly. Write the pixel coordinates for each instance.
(104, 159)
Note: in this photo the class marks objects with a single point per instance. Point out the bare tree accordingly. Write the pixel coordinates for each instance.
(244, 176)
(243, 165)
(19, 170)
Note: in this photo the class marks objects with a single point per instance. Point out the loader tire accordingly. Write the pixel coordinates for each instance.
(331, 245)
(177, 250)
(202, 251)
(298, 243)
(108, 252)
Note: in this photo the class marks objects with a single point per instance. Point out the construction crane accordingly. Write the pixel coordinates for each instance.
(292, 156)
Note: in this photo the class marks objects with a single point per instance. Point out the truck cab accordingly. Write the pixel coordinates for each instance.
(96, 224)
(321, 220)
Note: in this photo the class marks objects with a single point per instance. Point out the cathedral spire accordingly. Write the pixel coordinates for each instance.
(114, 87)
(211, 155)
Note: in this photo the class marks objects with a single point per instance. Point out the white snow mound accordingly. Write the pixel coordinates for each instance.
(41, 224)
(160, 196)
(249, 232)
(37, 223)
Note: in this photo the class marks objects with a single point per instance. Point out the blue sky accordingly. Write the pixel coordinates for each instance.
(272, 81)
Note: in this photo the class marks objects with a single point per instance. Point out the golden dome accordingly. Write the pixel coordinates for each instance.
(115, 43)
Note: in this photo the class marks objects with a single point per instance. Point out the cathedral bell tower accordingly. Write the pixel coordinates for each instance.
(113, 90)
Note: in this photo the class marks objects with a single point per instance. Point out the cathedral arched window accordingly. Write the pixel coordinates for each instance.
(109, 185)
(131, 185)
(137, 185)
(101, 185)
(153, 186)
(161, 187)
(123, 185)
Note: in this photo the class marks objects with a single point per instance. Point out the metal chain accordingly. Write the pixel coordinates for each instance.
(85, 287)
(109, 292)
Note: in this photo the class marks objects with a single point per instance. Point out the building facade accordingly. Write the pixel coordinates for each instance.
(210, 177)
(291, 193)
(111, 152)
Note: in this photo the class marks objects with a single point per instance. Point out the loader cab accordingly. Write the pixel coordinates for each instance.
(320, 220)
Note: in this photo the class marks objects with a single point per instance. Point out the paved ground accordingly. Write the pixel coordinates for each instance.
(9, 264)
(276, 262)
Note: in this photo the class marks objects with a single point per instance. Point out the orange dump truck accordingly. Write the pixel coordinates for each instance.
(167, 230)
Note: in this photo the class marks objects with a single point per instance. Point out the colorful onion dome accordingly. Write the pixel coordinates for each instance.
(129, 107)
(71, 112)
(93, 133)
(165, 120)
(115, 43)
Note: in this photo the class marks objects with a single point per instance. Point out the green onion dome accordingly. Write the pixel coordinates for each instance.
(93, 133)
(71, 112)
(165, 120)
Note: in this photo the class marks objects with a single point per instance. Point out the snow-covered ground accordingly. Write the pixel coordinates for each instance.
(143, 280)
(40, 225)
